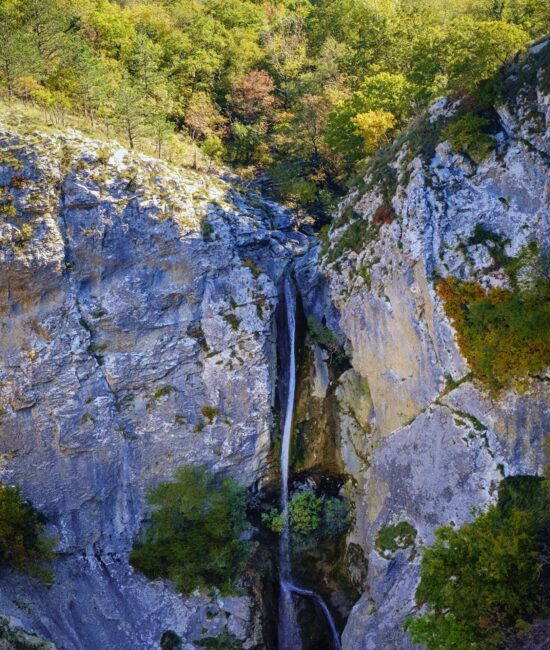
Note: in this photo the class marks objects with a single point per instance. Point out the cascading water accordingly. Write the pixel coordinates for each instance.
(288, 631)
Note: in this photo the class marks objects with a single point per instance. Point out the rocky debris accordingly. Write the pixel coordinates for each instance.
(136, 336)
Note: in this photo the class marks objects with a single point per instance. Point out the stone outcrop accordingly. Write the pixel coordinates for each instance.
(136, 335)
(423, 442)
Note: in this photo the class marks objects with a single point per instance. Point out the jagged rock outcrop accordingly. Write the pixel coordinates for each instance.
(136, 309)
(422, 440)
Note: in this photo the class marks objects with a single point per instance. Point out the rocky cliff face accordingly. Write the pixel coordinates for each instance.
(136, 336)
(138, 333)
(424, 442)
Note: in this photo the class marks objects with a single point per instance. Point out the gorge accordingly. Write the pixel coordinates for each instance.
(143, 311)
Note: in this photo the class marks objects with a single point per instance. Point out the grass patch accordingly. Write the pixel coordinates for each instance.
(256, 272)
(163, 391)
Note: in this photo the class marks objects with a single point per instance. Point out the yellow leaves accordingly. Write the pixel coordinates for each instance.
(373, 127)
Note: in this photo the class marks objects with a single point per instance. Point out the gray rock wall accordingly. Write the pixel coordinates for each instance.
(419, 450)
(123, 315)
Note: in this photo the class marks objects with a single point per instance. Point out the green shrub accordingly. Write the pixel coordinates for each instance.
(311, 518)
(256, 272)
(207, 230)
(210, 413)
(305, 513)
(170, 641)
(224, 641)
(321, 334)
(163, 391)
(194, 537)
(468, 134)
(23, 544)
(485, 581)
(395, 537)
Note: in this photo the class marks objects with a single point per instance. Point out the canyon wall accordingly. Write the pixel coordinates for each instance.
(137, 335)
(423, 441)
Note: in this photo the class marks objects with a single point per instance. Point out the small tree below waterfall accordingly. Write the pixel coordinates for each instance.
(195, 535)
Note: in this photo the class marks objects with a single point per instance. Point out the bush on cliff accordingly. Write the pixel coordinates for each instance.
(503, 333)
(23, 544)
(311, 518)
(195, 535)
(483, 583)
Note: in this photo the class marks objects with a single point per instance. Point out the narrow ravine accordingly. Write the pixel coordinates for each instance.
(288, 629)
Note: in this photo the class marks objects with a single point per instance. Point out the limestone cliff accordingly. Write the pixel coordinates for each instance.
(136, 309)
(138, 334)
(424, 442)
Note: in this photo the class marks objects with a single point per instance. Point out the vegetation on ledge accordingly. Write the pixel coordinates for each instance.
(312, 518)
(482, 584)
(23, 544)
(503, 333)
(195, 534)
(395, 537)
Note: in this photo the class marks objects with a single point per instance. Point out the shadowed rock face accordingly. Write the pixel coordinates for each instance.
(418, 452)
(123, 315)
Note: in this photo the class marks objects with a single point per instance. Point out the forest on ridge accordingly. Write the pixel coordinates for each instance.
(301, 91)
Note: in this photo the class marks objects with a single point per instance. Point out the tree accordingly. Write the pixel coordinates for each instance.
(23, 543)
(373, 128)
(213, 148)
(253, 96)
(476, 50)
(194, 537)
(202, 116)
(385, 91)
(160, 128)
(130, 111)
(18, 56)
(483, 581)
(144, 65)
(48, 24)
(286, 48)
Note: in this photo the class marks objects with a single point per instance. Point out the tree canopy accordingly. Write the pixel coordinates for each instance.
(194, 537)
(483, 583)
(299, 89)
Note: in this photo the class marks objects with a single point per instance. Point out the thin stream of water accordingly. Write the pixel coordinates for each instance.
(288, 630)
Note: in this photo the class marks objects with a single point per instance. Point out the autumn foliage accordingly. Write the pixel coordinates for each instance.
(503, 333)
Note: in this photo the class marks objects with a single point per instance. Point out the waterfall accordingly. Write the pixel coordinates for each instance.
(288, 630)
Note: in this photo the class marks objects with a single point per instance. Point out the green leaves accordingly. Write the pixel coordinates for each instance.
(383, 92)
(23, 543)
(311, 518)
(477, 49)
(194, 537)
(482, 582)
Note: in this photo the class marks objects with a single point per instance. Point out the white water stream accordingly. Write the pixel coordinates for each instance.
(288, 630)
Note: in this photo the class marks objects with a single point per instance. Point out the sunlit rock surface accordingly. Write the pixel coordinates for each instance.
(420, 449)
(131, 297)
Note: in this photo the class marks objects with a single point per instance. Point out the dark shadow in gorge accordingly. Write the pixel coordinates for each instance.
(315, 458)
